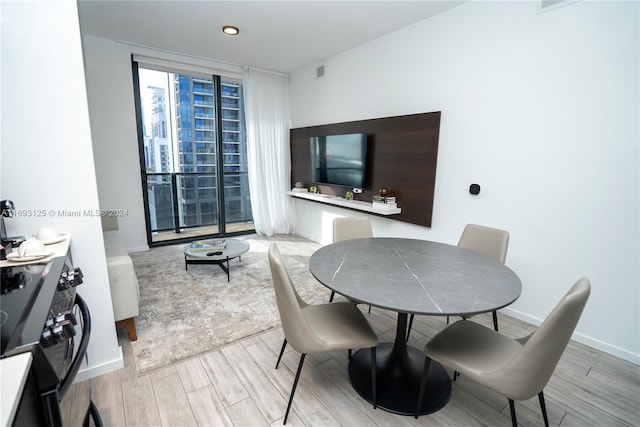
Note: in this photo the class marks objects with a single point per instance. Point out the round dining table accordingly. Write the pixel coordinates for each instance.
(411, 276)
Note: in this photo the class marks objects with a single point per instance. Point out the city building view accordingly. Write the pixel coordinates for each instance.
(195, 154)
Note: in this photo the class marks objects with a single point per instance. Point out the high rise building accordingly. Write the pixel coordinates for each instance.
(156, 142)
(198, 151)
(158, 158)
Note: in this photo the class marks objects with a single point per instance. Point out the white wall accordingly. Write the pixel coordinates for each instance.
(114, 133)
(542, 111)
(47, 158)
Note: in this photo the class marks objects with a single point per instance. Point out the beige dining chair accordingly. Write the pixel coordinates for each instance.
(516, 368)
(317, 328)
(488, 241)
(351, 228)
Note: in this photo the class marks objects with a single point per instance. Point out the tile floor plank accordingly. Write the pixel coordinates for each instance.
(192, 374)
(306, 404)
(173, 405)
(281, 378)
(223, 378)
(453, 414)
(106, 392)
(273, 339)
(337, 403)
(255, 382)
(207, 407)
(480, 410)
(140, 406)
(246, 414)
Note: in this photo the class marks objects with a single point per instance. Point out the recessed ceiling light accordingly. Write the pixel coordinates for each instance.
(230, 30)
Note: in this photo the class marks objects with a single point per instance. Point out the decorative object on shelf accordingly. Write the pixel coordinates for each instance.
(385, 202)
(298, 188)
(384, 192)
(313, 189)
(348, 195)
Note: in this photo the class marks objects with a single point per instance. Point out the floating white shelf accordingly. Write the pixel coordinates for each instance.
(344, 203)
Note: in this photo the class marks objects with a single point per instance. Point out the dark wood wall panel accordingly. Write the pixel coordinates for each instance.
(401, 156)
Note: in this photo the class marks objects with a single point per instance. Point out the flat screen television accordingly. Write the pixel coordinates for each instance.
(339, 159)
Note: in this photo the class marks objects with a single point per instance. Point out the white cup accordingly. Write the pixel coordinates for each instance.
(31, 247)
(46, 234)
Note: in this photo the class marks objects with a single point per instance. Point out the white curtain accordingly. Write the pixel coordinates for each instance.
(267, 116)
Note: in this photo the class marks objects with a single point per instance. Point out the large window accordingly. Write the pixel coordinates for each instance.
(193, 144)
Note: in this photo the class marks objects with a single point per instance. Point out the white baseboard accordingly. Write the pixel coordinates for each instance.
(305, 235)
(581, 338)
(86, 372)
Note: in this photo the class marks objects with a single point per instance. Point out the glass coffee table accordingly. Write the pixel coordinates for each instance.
(234, 249)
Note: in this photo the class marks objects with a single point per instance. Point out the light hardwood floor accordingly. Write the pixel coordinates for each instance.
(238, 386)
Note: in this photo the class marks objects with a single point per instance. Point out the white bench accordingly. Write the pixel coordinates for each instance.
(125, 293)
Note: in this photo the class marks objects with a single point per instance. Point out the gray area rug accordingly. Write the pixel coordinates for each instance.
(184, 314)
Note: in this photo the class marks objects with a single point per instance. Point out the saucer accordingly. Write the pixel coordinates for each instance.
(13, 257)
(52, 240)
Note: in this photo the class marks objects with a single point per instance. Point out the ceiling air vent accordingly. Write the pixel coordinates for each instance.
(320, 71)
(547, 5)
(550, 3)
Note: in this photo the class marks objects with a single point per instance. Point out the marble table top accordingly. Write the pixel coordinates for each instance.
(234, 248)
(415, 276)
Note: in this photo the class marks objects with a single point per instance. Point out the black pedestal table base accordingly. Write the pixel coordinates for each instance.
(398, 376)
(219, 262)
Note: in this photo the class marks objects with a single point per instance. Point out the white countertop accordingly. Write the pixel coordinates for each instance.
(13, 376)
(342, 202)
(57, 249)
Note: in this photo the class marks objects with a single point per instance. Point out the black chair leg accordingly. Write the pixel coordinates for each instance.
(456, 374)
(333, 293)
(410, 323)
(374, 368)
(284, 345)
(544, 409)
(293, 390)
(512, 408)
(447, 320)
(349, 353)
(369, 309)
(495, 320)
(423, 385)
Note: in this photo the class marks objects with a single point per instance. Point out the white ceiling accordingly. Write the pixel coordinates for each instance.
(275, 35)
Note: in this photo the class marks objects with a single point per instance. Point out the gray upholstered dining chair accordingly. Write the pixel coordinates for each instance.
(488, 241)
(317, 328)
(516, 368)
(350, 228)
